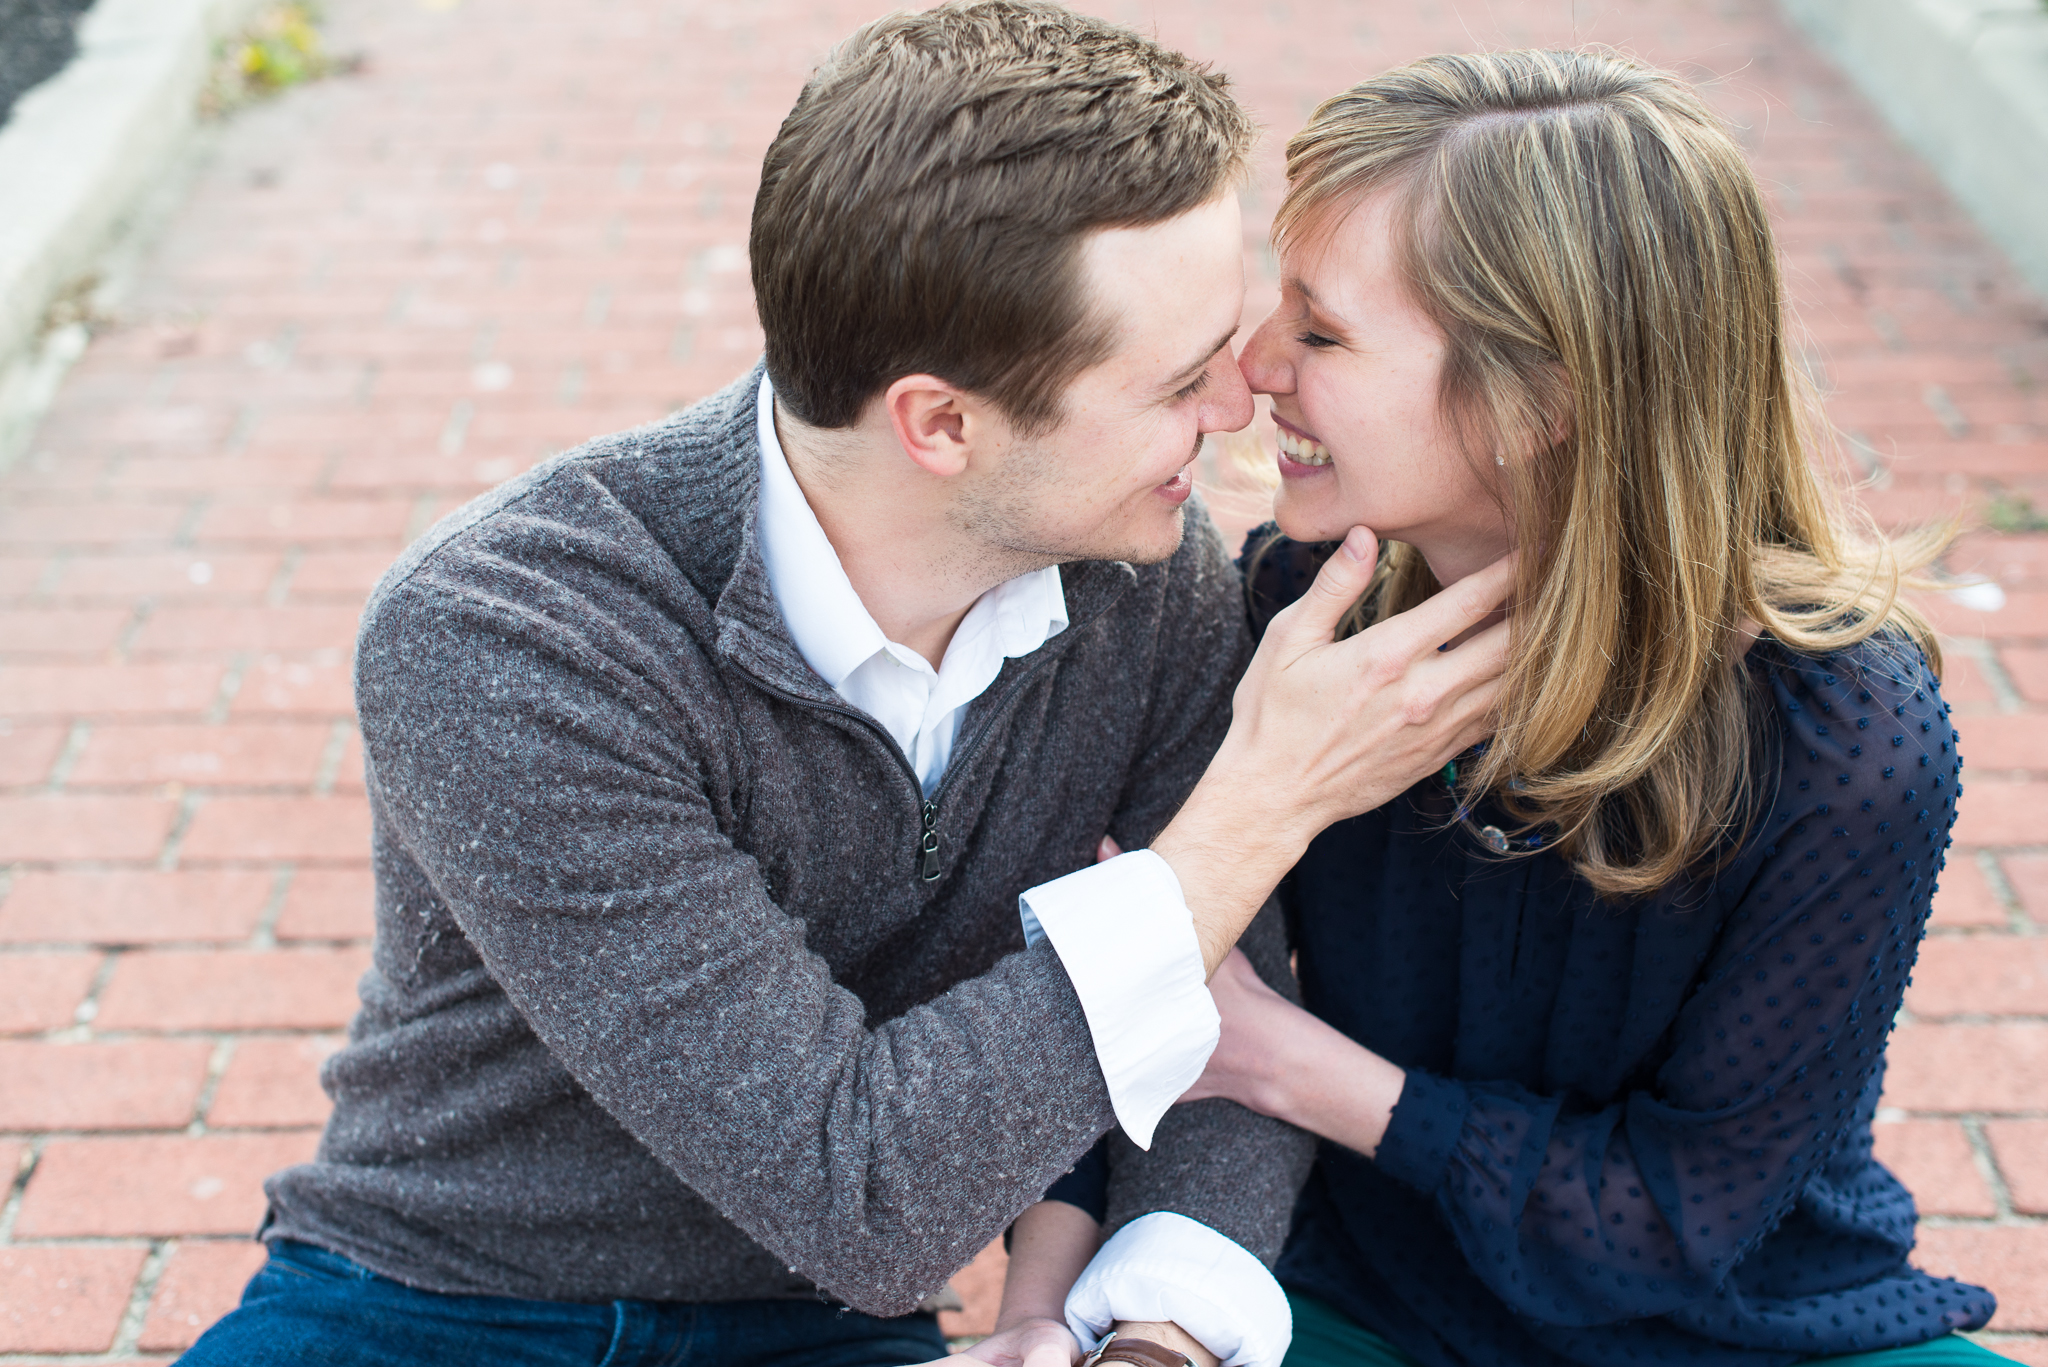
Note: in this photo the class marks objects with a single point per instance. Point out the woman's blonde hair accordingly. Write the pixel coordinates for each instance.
(1596, 250)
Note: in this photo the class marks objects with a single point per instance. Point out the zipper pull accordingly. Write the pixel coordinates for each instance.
(929, 844)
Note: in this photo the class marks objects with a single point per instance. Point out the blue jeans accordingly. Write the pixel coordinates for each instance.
(310, 1308)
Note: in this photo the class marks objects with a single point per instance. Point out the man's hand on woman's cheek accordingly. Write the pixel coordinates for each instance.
(1348, 725)
(1323, 729)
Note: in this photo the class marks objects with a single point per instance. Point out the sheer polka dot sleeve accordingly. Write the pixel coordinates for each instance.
(1579, 1216)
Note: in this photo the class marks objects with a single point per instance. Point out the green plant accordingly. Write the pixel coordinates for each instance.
(279, 49)
(2011, 512)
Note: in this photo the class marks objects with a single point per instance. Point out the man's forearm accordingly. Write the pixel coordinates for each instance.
(1229, 855)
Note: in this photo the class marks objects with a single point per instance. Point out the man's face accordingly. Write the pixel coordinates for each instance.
(1109, 481)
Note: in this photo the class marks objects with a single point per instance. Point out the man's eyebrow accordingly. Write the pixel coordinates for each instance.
(1300, 287)
(1201, 362)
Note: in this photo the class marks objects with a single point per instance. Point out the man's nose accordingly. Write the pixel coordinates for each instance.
(1230, 402)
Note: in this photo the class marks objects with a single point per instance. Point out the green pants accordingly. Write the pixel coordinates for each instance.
(1326, 1337)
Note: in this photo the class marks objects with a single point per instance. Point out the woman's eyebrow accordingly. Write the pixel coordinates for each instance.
(1317, 306)
(1319, 314)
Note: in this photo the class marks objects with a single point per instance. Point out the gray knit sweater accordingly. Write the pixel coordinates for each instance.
(663, 1006)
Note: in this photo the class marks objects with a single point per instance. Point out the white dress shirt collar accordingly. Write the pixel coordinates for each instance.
(919, 706)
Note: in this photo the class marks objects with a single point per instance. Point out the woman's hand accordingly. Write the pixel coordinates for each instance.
(1050, 1243)
(1278, 1060)
(1027, 1343)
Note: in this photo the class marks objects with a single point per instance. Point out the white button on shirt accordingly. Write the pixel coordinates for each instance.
(1121, 928)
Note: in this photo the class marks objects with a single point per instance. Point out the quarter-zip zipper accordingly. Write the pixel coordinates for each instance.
(928, 846)
(928, 866)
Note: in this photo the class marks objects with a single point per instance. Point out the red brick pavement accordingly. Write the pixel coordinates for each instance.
(523, 225)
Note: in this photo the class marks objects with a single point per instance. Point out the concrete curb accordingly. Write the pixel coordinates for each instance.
(83, 148)
(1966, 83)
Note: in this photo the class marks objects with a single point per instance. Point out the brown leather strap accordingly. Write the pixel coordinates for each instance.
(1144, 1352)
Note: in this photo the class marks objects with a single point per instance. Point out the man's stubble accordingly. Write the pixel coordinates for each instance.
(1004, 519)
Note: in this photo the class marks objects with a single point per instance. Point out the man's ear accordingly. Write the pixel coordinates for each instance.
(935, 422)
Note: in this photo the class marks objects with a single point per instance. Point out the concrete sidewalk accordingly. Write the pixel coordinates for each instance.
(524, 224)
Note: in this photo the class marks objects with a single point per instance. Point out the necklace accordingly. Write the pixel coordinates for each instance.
(1493, 837)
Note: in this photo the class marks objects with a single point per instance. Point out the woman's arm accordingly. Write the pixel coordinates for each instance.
(1278, 1060)
(1585, 1215)
(1049, 1245)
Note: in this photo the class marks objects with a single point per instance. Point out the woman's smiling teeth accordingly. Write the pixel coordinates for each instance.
(1301, 450)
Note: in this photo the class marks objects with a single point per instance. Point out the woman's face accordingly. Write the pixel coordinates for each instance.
(1353, 368)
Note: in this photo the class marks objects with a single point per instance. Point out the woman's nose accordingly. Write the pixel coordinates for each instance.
(1264, 363)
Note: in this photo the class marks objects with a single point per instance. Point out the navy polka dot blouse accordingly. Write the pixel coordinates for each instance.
(1636, 1134)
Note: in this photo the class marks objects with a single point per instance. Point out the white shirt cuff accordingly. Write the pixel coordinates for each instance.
(1127, 941)
(1165, 1268)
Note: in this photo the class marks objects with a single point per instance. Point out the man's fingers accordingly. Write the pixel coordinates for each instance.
(1447, 615)
(1480, 659)
(1477, 707)
(1107, 850)
(1312, 620)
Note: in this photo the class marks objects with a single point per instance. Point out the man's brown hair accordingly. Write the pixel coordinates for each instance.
(923, 206)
